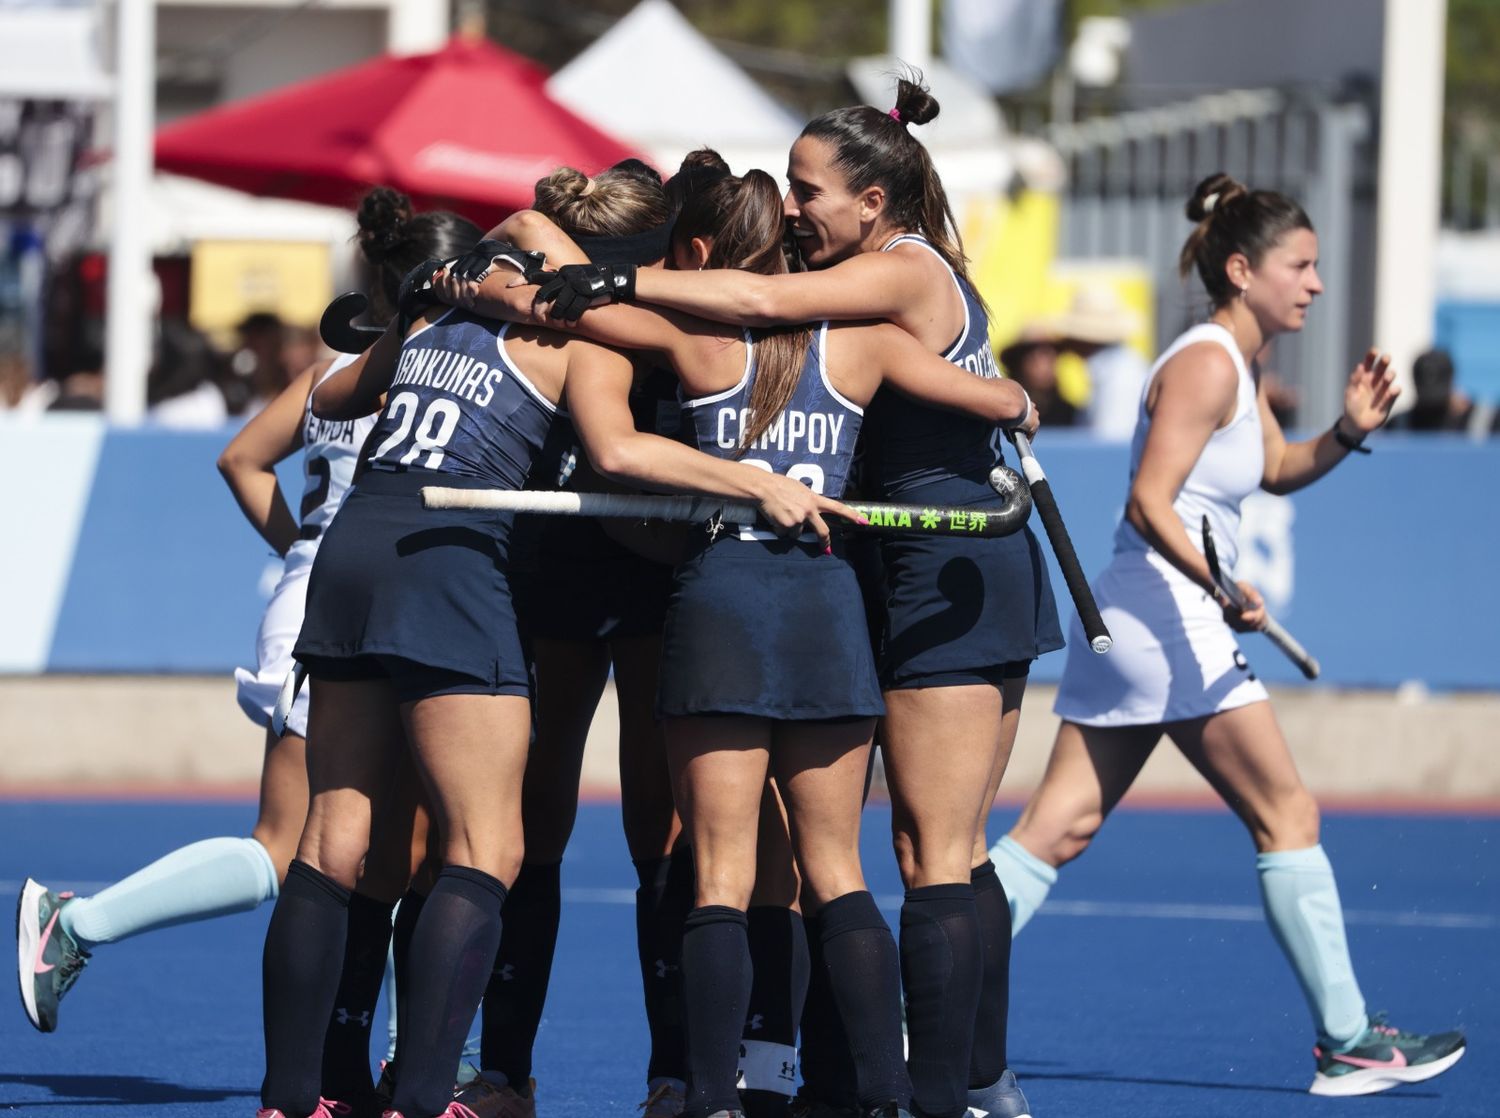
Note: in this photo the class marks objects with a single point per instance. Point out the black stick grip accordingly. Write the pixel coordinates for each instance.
(1067, 562)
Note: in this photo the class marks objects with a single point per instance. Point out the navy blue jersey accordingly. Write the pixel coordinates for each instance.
(909, 444)
(812, 439)
(458, 405)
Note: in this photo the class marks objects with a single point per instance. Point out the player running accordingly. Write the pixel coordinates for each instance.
(1205, 439)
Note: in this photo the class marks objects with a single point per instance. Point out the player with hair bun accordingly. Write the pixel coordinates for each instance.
(1205, 439)
(217, 876)
(766, 665)
(964, 617)
(590, 607)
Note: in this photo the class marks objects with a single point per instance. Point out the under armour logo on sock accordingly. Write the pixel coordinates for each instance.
(663, 968)
(344, 1017)
(788, 1070)
(507, 972)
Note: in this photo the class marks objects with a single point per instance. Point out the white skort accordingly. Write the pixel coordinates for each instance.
(1173, 657)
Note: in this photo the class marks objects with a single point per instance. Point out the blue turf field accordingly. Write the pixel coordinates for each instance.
(1149, 986)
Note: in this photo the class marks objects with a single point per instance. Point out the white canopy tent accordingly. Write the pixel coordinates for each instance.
(678, 92)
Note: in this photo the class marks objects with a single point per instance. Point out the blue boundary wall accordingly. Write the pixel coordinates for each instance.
(125, 553)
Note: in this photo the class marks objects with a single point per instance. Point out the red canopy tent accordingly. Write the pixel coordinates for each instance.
(468, 128)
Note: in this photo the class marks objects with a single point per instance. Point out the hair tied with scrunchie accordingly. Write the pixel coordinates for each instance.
(895, 114)
(1209, 202)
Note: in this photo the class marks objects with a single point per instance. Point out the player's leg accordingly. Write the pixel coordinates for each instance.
(570, 678)
(820, 770)
(1243, 754)
(719, 766)
(1090, 769)
(471, 753)
(663, 864)
(779, 960)
(940, 746)
(383, 879)
(208, 878)
(359, 740)
(992, 1085)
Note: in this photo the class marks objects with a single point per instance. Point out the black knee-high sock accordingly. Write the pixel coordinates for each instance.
(989, 1059)
(661, 905)
(408, 912)
(940, 971)
(346, 1048)
(864, 973)
(778, 956)
(715, 995)
(517, 989)
(827, 1067)
(452, 953)
(300, 969)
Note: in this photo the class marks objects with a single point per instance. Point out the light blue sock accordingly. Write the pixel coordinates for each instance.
(1027, 880)
(1302, 907)
(205, 879)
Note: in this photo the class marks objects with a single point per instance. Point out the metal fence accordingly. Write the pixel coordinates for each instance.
(1130, 176)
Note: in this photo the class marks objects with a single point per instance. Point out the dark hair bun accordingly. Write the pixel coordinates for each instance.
(383, 217)
(1212, 195)
(913, 102)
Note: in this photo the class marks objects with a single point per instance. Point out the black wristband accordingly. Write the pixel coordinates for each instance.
(1356, 445)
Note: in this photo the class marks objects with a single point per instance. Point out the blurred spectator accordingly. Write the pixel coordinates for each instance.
(1031, 361)
(186, 386)
(1440, 406)
(300, 347)
(1095, 327)
(259, 365)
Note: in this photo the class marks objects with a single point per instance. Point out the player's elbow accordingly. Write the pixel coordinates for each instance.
(231, 463)
(759, 305)
(616, 459)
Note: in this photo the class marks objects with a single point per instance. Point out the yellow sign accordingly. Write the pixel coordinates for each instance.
(232, 279)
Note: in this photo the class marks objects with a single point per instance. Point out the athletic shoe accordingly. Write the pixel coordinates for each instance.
(327, 1108)
(1382, 1058)
(49, 959)
(1002, 1099)
(484, 1100)
(888, 1110)
(665, 1098)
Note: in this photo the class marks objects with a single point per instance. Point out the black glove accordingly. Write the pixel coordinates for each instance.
(480, 260)
(416, 293)
(574, 287)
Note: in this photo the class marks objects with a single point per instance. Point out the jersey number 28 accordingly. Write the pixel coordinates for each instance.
(432, 433)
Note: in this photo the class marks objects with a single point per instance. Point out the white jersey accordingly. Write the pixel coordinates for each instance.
(330, 451)
(1173, 657)
(1228, 470)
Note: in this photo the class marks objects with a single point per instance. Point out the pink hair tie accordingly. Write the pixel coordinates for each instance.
(895, 114)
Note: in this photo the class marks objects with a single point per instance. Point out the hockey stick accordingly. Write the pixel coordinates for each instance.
(287, 696)
(337, 327)
(939, 521)
(1062, 546)
(1279, 636)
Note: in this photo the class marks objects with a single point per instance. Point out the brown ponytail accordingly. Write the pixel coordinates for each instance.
(741, 218)
(872, 148)
(1230, 219)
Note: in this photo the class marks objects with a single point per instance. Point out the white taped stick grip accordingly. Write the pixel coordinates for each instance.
(290, 686)
(1029, 465)
(624, 506)
(765, 1066)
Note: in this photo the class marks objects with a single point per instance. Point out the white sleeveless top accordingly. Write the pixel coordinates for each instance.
(330, 451)
(1229, 469)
